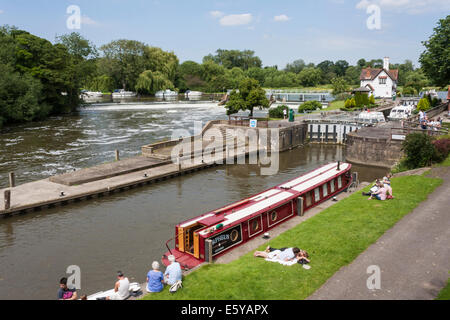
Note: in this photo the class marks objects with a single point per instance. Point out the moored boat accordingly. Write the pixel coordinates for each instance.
(211, 235)
(123, 94)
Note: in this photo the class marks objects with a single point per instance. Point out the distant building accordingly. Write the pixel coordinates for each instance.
(381, 82)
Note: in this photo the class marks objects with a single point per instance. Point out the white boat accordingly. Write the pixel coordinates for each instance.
(401, 113)
(166, 94)
(371, 117)
(193, 94)
(123, 94)
(91, 94)
(134, 288)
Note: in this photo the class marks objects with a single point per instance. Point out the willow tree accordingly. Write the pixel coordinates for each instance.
(150, 82)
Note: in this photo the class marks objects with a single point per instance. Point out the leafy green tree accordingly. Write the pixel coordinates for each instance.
(278, 112)
(310, 77)
(339, 86)
(417, 80)
(235, 58)
(149, 82)
(340, 67)
(435, 59)
(296, 67)
(250, 96)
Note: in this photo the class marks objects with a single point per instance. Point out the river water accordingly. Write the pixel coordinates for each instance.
(125, 231)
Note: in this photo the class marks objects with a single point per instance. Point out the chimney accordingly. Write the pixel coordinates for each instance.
(386, 63)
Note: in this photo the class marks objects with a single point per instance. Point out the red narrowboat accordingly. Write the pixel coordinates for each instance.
(212, 234)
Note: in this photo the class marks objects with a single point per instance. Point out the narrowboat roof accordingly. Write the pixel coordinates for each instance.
(268, 199)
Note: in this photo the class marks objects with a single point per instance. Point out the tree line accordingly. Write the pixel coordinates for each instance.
(39, 78)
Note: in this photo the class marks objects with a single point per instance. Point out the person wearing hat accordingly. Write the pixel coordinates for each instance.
(121, 288)
(173, 272)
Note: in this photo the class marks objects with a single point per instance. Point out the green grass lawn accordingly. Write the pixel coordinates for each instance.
(333, 238)
(445, 293)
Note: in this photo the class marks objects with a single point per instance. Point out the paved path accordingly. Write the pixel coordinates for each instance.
(414, 256)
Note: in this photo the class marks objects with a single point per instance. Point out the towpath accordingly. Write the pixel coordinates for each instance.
(413, 256)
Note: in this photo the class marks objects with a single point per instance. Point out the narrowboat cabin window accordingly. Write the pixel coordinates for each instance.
(325, 190)
(332, 186)
(308, 199)
(339, 182)
(255, 226)
(273, 216)
(317, 195)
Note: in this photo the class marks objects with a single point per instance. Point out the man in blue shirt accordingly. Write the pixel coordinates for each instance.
(173, 272)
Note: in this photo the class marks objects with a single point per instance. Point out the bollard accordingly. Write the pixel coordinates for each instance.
(117, 155)
(179, 164)
(7, 199)
(12, 180)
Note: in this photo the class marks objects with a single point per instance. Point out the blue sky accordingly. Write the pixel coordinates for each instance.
(278, 31)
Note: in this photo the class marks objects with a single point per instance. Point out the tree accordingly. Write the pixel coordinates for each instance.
(296, 67)
(250, 96)
(123, 61)
(424, 104)
(310, 106)
(150, 82)
(419, 150)
(309, 77)
(341, 67)
(339, 85)
(235, 58)
(417, 80)
(435, 59)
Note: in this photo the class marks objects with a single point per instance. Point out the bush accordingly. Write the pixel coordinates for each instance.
(372, 100)
(310, 106)
(409, 91)
(442, 147)
(278, 112)
(419, 151)
(424, 105)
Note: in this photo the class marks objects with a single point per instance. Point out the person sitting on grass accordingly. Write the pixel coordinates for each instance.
(303, 257)
(387, 185)
(285, 254)
(155, 279)
(381, 194)
(173, 272)
(373, 189)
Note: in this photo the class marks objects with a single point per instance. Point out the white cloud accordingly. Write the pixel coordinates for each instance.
(88, 21)
(281, 18)
(1, 11)
(236, 19)
(408, 6)
(216, 14)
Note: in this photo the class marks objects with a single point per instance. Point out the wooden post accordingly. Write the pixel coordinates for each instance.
(117, 155)
(7, 199)
(179, 164)
(12, 180)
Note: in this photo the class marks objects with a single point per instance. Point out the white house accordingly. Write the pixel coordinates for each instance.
(381, 82)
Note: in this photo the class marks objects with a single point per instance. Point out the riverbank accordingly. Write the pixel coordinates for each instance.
(333, 238)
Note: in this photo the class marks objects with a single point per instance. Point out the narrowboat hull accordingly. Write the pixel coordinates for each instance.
(215, 233)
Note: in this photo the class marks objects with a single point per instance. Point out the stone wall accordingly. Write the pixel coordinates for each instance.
(379, 152)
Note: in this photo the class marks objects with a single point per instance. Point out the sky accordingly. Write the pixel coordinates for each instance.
(278, 31)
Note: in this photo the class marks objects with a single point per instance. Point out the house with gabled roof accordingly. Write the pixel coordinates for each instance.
(381, 82)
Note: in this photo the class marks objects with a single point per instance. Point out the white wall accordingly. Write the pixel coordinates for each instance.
(381, 90)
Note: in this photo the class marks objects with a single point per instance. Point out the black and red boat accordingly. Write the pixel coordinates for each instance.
(212, 234)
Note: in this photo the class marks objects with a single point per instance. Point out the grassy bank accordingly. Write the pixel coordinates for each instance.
(445, 293)
(334, 238)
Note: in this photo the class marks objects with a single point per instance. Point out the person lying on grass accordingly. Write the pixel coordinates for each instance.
(285, 254)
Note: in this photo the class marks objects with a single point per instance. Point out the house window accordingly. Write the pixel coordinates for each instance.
(383, 80)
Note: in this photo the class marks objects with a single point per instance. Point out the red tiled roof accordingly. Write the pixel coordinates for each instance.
(372, 73)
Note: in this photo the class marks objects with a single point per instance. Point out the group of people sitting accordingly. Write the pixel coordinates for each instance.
(155, 283)
(426, 123)
(156, 279)
(381, 190)
(284, 254)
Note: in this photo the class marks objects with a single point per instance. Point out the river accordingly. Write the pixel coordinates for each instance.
(125, 231)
